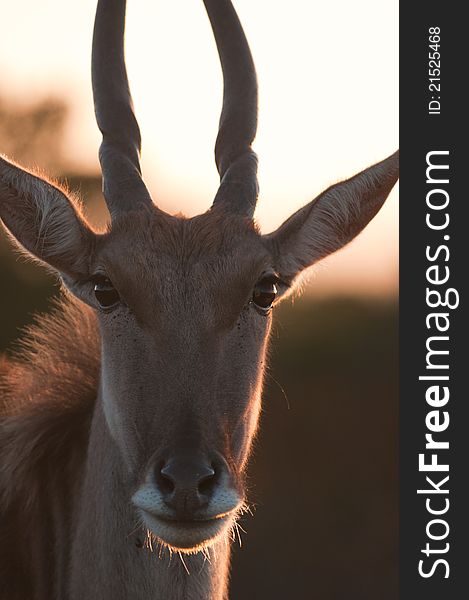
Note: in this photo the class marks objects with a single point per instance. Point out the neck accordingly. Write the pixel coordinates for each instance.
(111, 557)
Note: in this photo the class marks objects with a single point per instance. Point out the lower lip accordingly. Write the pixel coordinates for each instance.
(184, 535)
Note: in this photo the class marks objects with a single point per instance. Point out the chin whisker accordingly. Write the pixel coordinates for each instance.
(183, 563)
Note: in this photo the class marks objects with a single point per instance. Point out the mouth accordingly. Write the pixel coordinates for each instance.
(187, 536)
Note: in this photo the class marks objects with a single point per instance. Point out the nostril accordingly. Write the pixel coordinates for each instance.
(165, 481)
(207, 482)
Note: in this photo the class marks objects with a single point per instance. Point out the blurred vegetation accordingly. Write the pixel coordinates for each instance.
(323, 480)
(33, 133)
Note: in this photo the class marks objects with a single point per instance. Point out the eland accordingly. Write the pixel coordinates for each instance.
(127, 419)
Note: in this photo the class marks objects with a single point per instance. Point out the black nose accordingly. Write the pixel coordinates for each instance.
(186, 484)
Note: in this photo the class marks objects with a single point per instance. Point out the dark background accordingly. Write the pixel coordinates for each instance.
(323, 479)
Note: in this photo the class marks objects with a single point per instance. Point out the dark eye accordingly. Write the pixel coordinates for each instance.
(106, 294)
(264, 294)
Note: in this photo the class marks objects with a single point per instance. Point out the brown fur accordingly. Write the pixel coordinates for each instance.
(47, 395)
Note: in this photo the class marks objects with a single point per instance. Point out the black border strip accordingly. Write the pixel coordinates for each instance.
(422, 132)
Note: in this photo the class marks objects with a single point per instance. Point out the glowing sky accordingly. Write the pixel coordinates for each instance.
(328, 102)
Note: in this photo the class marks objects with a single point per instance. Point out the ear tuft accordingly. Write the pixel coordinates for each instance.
(43, 219)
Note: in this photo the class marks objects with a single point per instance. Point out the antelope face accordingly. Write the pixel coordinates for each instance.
(184, 309)
(183, 305)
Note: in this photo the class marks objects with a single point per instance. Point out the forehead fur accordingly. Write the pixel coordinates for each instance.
(149, 254)
(213, 233)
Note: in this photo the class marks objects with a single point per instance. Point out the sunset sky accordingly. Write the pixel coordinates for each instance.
(328, 76)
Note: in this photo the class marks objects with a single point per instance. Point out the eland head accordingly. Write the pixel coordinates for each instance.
(184, 304)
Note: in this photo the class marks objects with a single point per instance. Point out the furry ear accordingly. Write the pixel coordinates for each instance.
(331, 220)
(44, 221)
